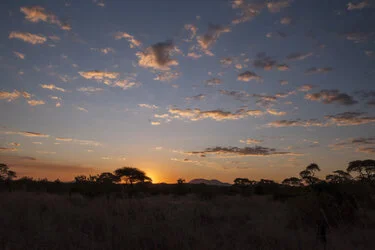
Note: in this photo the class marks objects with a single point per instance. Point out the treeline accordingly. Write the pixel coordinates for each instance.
(129, 181)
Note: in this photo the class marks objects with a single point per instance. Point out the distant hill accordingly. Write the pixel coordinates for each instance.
(209, 182)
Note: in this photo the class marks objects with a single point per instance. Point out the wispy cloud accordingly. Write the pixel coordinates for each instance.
(251, 141)
(315, 70)
(277, 6)
(78, 141)
(26, 134)
(105, 51)
(217, 115)
(82, 109)
(36, 14)
(52, 87)
(350, 119)
(148, 106)
(132, 41)
(28, 37)
(298, 56)
(213, 81)
(240, 152)
(2, 149)
(35, 102)
(89, 89)
(19, 55)
(359, 6)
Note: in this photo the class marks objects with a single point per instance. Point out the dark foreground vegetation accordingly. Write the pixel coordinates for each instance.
(124, 210)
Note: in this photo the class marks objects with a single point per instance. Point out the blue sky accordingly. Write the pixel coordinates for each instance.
(212, 89)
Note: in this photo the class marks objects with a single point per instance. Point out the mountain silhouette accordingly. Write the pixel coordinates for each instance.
(212, 182)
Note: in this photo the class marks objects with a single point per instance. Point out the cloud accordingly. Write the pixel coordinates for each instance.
(82, 109)
(362, 144)
(28, 37)
(155, 123)
(282, 67)
(52, 87)
(89, 89)
(238, 95)
(127, 83)
(148, 106)
(275, 112)
(247, 10)
(35, 102)
(10, 96)
(192, 30)
(26, 134)
(315, 70)
(158, 56)
(248, 76)
(276, 34)
(103, 76)
(368, 95)
(185, 160)
(358, 37)
(331, 96)
(359, 6)
(283, 82)
(251, 141)
(263, 61)
(217, 115)
(350, 119)
(199, 97)
(299, 56)
(77, 141)
(210, 37)
(36, 14)
(213, 81)
(226, 61)
(167, 76)
(237, 152)
(277, 6)
(286, 20)
(19, 55)
(104, 50)
(367, 150)
(296, 123)
(305, 88)
(7, 149)
(194, 55)
(132, 41)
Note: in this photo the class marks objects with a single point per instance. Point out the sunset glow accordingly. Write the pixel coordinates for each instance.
(186, 89)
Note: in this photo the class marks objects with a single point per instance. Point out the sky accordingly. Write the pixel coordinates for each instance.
(186, 89)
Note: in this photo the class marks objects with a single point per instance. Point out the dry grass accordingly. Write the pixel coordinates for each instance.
(45, 221)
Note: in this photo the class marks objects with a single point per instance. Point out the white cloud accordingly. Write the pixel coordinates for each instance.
(158, 56)
(132, 41)
(19, 55)
(36, 14)
(52, 87)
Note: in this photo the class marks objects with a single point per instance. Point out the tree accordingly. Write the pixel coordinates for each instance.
(131, 175)
(292, 181)
(339, 176)
(107, 178)
(181, 181)
(365, 169)
(243, 182)
(80, 179)
(308, 175)
(5, 173)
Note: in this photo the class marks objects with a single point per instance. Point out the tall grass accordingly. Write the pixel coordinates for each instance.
(48, 221)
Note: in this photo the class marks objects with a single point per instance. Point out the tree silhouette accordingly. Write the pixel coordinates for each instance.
(292, 181)
(243, 182)
(5, 173)
(80, 179)
(339, 176)
(308, 175)
(181, 181)
(131, 175)
(365, 169)
(107, 178)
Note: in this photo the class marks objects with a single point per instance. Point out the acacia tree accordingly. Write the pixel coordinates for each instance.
(292, 181)
(131, 175)
(308, 175)
(181, 181)
(5, 173)
(339, 176)
(365, 169)
(107, 178)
